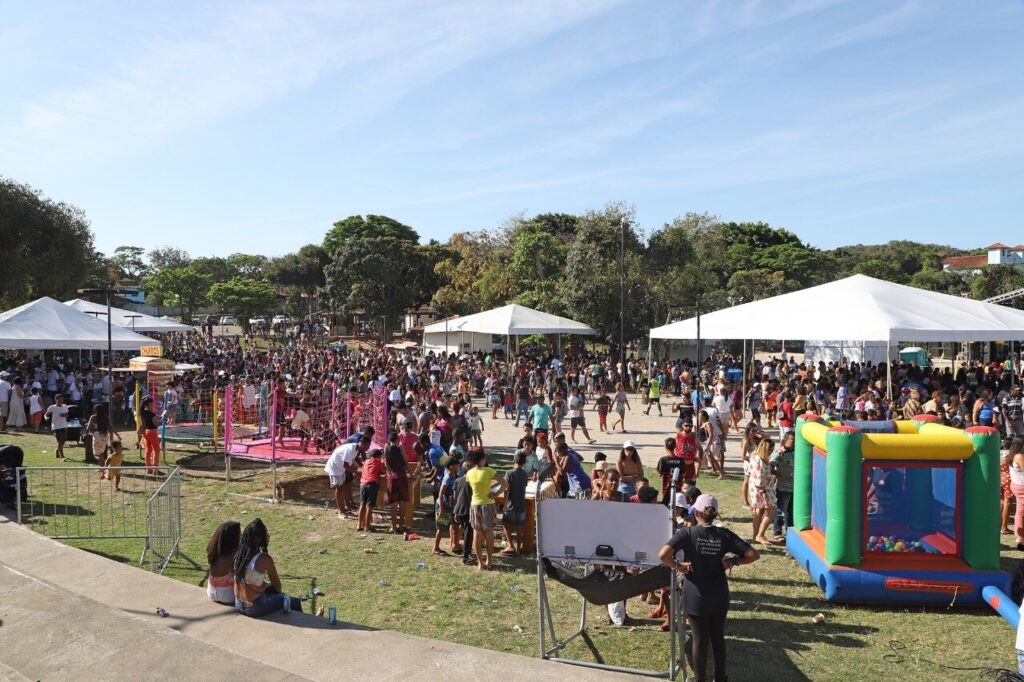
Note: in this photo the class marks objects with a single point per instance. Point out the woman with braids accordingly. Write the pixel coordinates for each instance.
(708, 553)
(257, 586)
(220, 555)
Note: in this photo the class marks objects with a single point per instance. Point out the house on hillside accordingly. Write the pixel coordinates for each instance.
(995, 254)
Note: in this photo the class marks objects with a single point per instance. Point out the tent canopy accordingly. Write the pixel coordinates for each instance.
(47, 324)
(857, 307)
(511, 320)
(124, 318)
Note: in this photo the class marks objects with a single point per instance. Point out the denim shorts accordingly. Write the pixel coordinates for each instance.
(514, 518)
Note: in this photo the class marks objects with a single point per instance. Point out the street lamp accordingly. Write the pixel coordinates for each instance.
(107, 291)
(622, 293)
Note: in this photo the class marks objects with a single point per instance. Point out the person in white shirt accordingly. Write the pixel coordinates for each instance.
(57, 415)
(340, 469)
(723, 403)
(5, 400)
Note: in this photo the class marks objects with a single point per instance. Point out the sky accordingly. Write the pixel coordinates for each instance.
(253, 126)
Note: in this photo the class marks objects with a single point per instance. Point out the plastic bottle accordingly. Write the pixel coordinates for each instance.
(287, 605)
(332, 616)
(420, 565)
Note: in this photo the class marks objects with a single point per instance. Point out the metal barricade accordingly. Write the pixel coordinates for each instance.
(74, 503)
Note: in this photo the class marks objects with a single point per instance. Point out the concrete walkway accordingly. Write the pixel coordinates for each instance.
(67, 613)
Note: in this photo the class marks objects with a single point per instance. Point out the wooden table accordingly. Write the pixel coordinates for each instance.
(407, 508)
(529, 526)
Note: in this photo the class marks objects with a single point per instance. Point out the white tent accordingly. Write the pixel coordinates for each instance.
(476, 332)
(126, 318)
(861, 308)
(47, 324)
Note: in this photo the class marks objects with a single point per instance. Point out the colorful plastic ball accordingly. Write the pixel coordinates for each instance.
(899, 546)
(872, 540)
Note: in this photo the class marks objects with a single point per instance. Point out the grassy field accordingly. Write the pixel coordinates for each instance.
(770, 631)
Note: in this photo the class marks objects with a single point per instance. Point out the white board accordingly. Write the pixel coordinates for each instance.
(573, 529)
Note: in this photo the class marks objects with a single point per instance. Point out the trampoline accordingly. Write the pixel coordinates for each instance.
(189, 432)
(263, 449)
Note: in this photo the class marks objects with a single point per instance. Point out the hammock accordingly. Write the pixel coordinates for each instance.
(606, 586)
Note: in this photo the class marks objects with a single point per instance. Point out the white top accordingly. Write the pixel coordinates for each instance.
(342, 455)
(5, 391)
(34, 404)
(574, 407)
(248, 396)
(1016, 474)
(59, 416)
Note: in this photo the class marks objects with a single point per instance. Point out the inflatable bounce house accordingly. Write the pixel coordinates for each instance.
(897, 511)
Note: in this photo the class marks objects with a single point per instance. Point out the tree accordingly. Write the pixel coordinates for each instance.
(938, 280)
(474, 274)
(371, 227)
(168, 257)
(590, 286)
(538, 256)
(214, 267)
(47, 247)
(995, 280)
(377, 276)
(128, 264)
(244, 298)
(302, 271)
(183, 287)
(248, 265)
(752, 285)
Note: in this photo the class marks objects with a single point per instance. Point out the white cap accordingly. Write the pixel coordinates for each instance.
(628, 444)
(681, 501)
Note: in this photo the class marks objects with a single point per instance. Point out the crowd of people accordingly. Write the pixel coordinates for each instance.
(440, 408)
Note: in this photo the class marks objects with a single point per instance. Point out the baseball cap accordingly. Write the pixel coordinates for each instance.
(628, 444)
(602, 465)
(681, 501)
(705, 501)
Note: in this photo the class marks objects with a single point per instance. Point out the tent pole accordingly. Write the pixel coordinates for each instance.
(888, 368)
(743, 396)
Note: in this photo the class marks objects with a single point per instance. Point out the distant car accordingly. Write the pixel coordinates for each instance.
(257, 322)
(281, 319)
(227, 320)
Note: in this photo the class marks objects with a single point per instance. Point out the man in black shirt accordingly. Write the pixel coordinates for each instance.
(708, 551)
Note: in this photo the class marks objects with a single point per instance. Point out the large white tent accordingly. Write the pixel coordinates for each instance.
(860, 308)
(129, 319)
(47, 324)
(477, 332)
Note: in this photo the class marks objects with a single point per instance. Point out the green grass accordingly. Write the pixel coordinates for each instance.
(770, 633)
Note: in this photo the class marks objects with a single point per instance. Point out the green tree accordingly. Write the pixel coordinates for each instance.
(538, 255)
(214, 267)
(186, 288)
(943, 282)
(590, 285)
(128, 264)
(995, 280)
(167, 257)
(474, 275)
(375, 275)
(752, 285)
(249, 265)
(47, 246)
(302, 271)
(244, 298)
(371, 227)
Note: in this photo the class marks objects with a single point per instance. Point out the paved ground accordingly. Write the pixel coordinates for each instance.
(69, 614)
(647, 431)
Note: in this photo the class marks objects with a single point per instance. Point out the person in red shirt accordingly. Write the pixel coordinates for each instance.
(690, 450)
(369, 483)
(786, 416)
(407, 441)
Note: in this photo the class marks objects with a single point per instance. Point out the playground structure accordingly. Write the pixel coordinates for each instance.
(194, 417)
(897, 511)
(299, 429)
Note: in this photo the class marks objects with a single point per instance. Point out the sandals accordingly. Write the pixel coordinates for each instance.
(440, 552)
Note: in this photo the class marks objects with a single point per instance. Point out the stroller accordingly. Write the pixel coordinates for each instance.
(11, 457)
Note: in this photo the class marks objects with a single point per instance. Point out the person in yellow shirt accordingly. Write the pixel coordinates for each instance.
(482, 512)
(654, 393)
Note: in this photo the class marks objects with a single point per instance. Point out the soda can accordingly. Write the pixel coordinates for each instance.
(332, 616)
(287, 604)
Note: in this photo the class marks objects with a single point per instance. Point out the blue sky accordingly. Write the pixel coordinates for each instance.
(223, 127)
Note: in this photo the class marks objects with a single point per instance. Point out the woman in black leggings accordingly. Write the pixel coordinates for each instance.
(707, 553)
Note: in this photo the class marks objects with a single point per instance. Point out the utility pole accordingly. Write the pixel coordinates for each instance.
(622, 293)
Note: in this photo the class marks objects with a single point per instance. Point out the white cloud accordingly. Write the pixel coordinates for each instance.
(258, 53)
